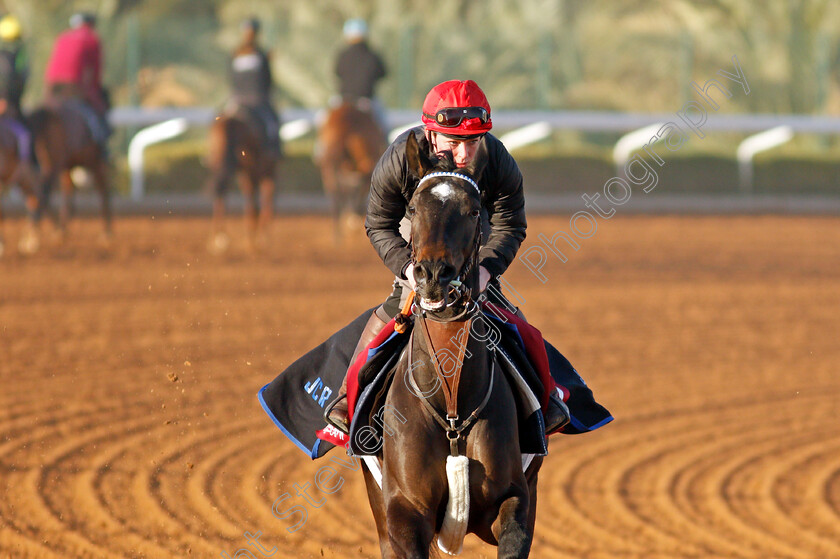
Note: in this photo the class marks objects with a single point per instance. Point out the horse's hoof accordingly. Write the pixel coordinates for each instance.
(29, 243)
(219, 243)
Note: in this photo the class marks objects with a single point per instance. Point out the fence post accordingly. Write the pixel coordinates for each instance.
(630, 142)
(143, 139)
(526, 135)
(755, 144)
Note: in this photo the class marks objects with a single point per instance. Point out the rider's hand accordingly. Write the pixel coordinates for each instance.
(483, 278)
(409, 275)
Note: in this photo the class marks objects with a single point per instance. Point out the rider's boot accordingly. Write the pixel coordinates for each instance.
(557, 414)
(338, 411)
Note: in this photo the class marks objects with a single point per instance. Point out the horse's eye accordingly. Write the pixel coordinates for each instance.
(411, 210)
(474, 213)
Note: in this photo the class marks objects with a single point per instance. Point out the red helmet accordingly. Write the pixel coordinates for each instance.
(457, 108)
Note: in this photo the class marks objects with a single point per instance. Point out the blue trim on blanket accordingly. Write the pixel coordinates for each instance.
(601, 423)
(510, 326)
(585, 428)
(374, 350)
(312, 453)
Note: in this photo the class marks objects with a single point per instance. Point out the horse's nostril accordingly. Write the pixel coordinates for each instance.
(446, 274)
(420, 272)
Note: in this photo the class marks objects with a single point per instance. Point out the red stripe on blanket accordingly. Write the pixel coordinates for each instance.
(534, 347)
(355, 367)
(332, 435)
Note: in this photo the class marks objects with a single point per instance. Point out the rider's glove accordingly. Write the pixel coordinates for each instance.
(409, 275)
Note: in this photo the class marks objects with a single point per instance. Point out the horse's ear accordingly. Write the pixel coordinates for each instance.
(417, 156)
(476, 167)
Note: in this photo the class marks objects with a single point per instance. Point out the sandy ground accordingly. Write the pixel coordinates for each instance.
(130, 426)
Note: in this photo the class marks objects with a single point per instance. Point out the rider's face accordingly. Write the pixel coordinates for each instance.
(463, 151)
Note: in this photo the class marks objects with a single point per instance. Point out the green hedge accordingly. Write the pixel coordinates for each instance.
(806, 175)
(694, 173)
(180, 166)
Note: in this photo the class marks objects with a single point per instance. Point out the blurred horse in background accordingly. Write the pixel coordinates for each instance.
(16, 169)
(239, 146)
(350, 143)
(63, 140)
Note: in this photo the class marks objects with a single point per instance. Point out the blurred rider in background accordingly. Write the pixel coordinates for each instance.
(14, 72)
(252, 84)
(74, 74)
(14, 67)
(359, 69)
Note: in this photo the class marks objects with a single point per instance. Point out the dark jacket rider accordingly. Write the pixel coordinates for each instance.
(456, 117)
(359, 68)
(14, 66)
(252, 83)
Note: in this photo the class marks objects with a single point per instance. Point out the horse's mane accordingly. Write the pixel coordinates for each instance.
(445, 161)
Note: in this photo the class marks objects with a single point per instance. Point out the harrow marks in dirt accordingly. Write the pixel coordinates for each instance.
(721, 481)
(130, 426)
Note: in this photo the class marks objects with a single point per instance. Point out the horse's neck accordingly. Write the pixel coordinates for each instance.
(455, 364)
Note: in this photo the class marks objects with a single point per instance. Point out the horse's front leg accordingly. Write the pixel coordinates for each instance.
(43, 193)
(377, 506)
(410, 532)
(2, 224)
(532, 476)
(101, 178)
(511, 526)
(247, 186)
(267, 187)
(329, 178)
(360, 195)
(67, 208)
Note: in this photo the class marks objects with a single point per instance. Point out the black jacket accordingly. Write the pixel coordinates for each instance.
(502, 200)
(14, 71)
(250, 76)
(358, 69)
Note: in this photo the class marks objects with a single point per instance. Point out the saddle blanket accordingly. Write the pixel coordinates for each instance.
(296, 398)
(373, 375)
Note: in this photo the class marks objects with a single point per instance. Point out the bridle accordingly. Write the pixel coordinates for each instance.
(458, 292)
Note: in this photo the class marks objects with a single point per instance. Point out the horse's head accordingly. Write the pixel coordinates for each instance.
(445, 223)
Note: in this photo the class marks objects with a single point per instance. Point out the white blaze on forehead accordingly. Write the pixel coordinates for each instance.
(443, 191)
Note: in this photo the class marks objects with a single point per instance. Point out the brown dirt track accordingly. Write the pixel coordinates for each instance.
(130, 425)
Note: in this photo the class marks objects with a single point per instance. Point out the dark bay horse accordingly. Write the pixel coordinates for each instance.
(239, 148)
(350, 143)
(452, 464)
(63, 140)
(15, 169)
